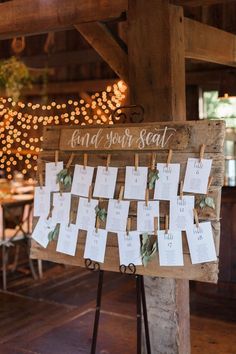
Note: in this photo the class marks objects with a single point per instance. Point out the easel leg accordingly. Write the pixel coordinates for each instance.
(139, 314)
(97, 313)
(145, 317)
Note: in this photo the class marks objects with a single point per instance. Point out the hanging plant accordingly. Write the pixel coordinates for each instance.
(64, 178)
(14, 76)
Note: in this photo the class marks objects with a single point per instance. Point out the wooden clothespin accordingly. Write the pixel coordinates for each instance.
(50, 212)
(155, 225)
(202, 151)
(169, 157)
(153, 161)
(196, 217)
(136, 161)
(97, 224)
(166, 224)
(85, 161)
(147, 197)
(70, 160)
(128, 227)
(108, 161)
(209, 183)
(121, 193)
(90, 193)
(56, 157)
(181, 190)
(40, 180)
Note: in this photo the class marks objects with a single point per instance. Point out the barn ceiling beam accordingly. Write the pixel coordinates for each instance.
(196, 3)
(209, 44)
(27, 17)
(106, 45)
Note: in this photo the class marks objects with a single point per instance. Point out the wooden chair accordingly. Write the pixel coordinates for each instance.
(9, 236)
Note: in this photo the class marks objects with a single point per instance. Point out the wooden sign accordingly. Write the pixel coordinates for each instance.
(122, 143)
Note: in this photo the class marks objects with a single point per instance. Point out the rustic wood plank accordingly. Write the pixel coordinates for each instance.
(152, 136)
(196, 3)
(26, 17)
(102, 40)
(203, 272)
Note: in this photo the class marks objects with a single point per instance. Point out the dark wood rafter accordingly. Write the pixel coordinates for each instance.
(102, 40)
(27, 17)
(197, 3)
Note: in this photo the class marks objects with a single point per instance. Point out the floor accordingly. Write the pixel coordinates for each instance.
(55, 315)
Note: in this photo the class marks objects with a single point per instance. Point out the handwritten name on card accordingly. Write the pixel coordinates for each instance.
(130, 138)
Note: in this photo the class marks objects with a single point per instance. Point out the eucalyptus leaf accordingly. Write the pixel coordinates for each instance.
(53, 235)
(64, 178)
(210, 202)
(101, 213)
(148, 248)
(153, 176)
(202, 204)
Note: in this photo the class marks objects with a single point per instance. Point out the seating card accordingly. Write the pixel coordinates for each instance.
(95, 246)
(86, 214)
(181, 212)
(170, 248)
(129, 248)
(42, 229)
(135, 182)
(61, 207)
(146, 214)
(51, 171)
(41, 201)
(67, 239)
(117, 215)
(167, 185)
(197, 175)
(201, 243)
(82, 180)
(105, 182)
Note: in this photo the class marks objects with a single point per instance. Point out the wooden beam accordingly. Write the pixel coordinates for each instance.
(27, 17)
(196, 3)
(210, 44)
(157, 81)
(102, 40)
(71, 87)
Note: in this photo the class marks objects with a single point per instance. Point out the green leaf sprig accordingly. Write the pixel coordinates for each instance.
(53, 235)
(148, 248)
(101, 213)
(64, 178)
(207, 202)
(153, 176)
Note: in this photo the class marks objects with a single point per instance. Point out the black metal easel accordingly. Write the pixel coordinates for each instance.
(140, 299)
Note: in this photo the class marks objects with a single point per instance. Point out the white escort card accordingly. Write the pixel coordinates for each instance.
(82, 180)
(51, 171)
(42, 229)
(135, 182)
(129, 248)
(146, 215)
(95, 245)
(67, 239)
(86, 214)
(61, 207)
(117, 215)
(105, 182)
(167, 185)
(201, 243)
(41, 201)
(197, 175)
(181, 212)
(170, 248)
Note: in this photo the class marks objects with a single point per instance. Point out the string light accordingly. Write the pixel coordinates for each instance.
(21, 124)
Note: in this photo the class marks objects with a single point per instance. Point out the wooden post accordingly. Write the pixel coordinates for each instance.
(157, 81)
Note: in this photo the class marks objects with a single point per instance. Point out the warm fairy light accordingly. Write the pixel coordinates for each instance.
(20, 123)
